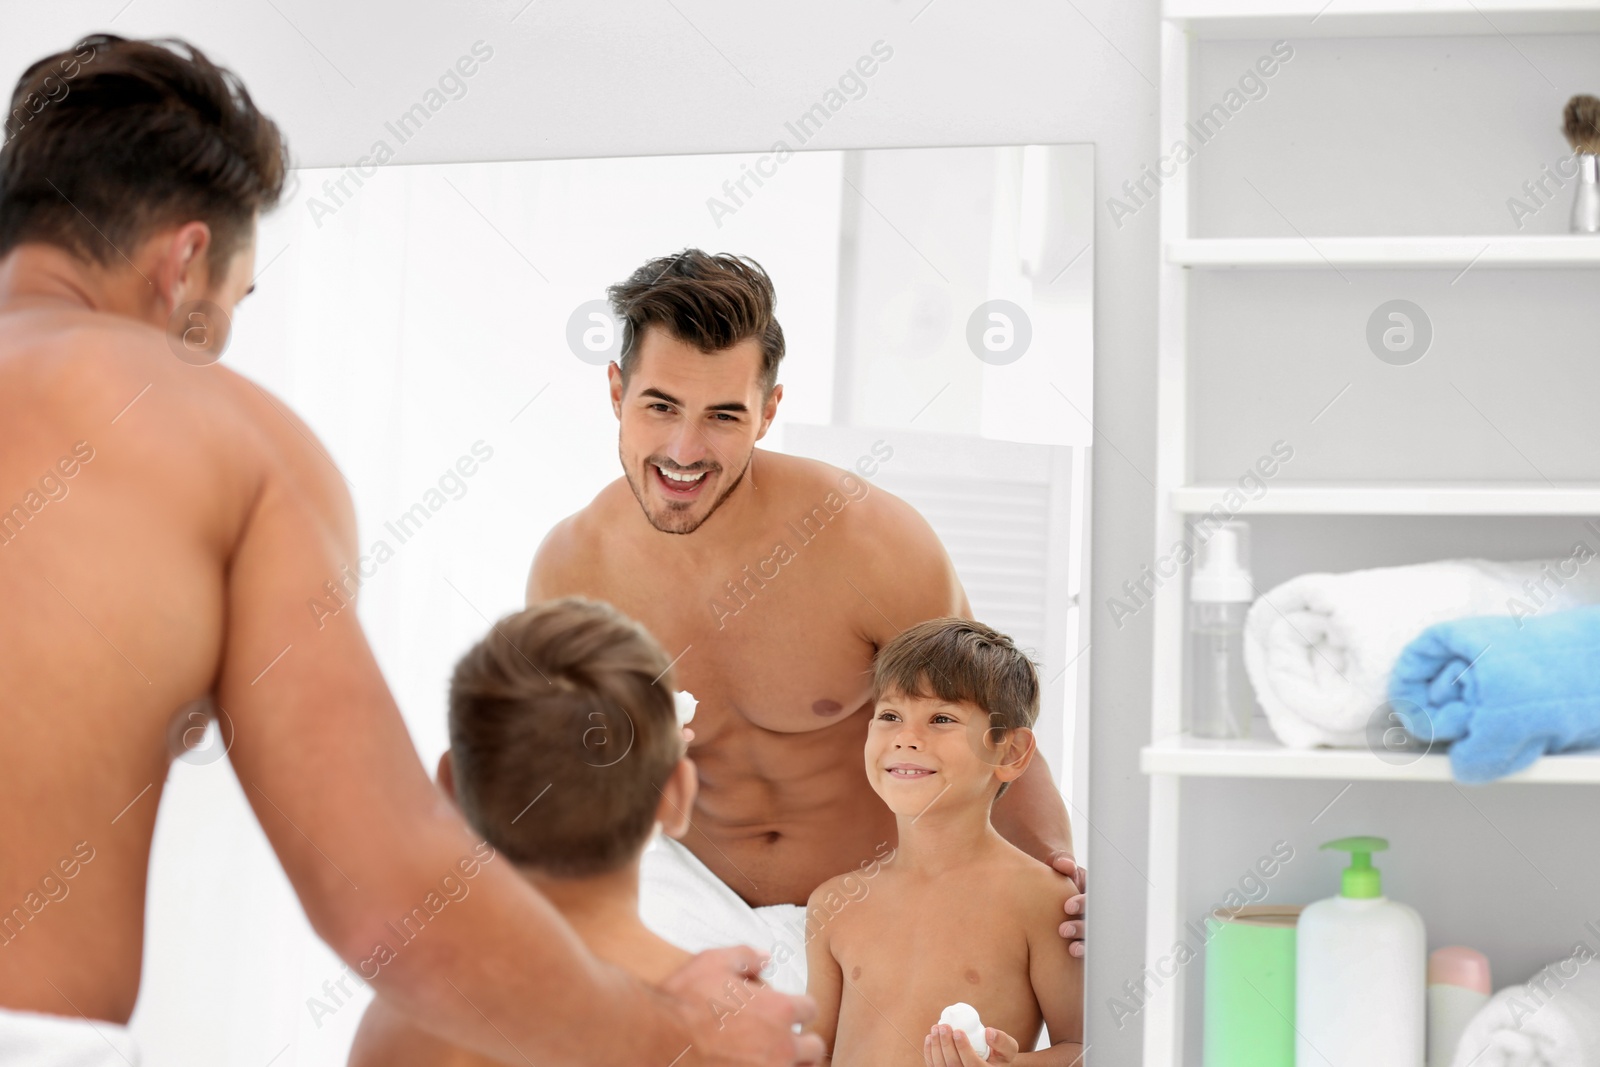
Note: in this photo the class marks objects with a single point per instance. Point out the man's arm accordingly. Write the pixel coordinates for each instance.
(1033, 816)
(324, 758)
(910, 579)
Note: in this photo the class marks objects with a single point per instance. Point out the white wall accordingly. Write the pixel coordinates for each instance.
(575, 79)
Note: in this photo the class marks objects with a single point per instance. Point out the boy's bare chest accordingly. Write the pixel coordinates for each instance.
(906, 956)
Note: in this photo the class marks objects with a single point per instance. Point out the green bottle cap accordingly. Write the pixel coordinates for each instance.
(1361, 881)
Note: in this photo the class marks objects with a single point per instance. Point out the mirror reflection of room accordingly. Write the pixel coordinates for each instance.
(655, 561)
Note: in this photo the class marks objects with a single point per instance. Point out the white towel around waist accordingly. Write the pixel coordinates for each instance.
(30, 1039)
(682, 901)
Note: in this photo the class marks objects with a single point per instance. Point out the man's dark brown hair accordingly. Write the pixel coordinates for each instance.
(711, 302)
(115, 139)
(563, 732)
(962, 662)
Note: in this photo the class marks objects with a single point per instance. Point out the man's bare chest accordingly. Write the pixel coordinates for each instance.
(785, 653)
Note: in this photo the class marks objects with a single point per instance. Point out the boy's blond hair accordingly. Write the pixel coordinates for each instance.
(570, 704)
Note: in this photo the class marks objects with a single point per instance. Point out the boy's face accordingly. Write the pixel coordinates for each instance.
(921, 748)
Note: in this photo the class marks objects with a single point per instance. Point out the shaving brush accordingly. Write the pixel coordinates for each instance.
(1581, 124)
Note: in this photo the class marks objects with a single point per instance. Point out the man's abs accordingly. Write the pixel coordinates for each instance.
(779, 814)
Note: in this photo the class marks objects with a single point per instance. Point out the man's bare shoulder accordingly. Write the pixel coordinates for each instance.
(800, 484)
(94, 363)
(887, 542)
(569, 560)
(207, 422)
(100, 361)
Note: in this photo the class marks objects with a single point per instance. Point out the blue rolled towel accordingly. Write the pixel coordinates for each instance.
(1503, 690)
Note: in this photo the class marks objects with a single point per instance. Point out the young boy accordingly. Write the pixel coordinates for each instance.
(565, 752)
(958, 914)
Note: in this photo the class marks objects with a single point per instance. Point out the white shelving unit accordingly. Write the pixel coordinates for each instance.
(1171, 756)
(1432, 253)
(1400, 498)
(1259, 758)
(1230, 19)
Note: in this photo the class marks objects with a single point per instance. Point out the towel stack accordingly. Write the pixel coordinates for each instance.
(1552, 1021)
(1326, 653)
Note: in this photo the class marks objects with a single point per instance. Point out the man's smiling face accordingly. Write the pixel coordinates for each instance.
(689, 423)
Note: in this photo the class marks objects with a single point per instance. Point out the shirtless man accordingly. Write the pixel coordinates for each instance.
(774, 580)
(163, 523)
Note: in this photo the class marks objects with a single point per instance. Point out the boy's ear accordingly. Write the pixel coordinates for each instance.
(447, 775)
(677, 799)
(1014, 754)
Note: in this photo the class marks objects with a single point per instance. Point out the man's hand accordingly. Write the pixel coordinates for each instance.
(945, 1046)
(736, 1020)
(1073, 928)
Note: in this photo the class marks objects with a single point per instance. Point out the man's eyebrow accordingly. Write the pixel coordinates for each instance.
(732, 405)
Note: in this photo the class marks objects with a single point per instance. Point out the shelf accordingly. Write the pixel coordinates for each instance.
(1422, 498)
(1383, 253)
(1236, 19)
(1255, 758)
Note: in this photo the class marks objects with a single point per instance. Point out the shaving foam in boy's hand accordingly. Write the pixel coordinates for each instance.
(685, 703)
(949, 1046)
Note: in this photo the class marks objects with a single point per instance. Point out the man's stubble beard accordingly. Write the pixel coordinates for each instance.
(638, 495)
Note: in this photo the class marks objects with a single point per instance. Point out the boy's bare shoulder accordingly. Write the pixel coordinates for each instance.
(845, 896)
(833, 888)
(1038, 891)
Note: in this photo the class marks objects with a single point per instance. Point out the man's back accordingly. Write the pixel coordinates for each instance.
(164, 527)
(114, 581)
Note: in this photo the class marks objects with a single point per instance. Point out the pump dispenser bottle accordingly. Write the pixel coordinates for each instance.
(1220, 592)
(1360, 966)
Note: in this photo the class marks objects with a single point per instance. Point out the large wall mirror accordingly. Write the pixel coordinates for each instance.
(444, 332)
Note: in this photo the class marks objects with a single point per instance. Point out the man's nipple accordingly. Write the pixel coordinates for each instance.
(827, 707)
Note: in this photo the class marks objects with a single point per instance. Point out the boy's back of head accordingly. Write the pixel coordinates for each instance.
(563, 731)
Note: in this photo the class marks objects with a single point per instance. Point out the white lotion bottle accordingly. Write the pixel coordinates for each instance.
(1360, 973)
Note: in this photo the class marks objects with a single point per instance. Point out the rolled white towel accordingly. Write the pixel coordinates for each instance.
(1319, 648)
(1553, 1021)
